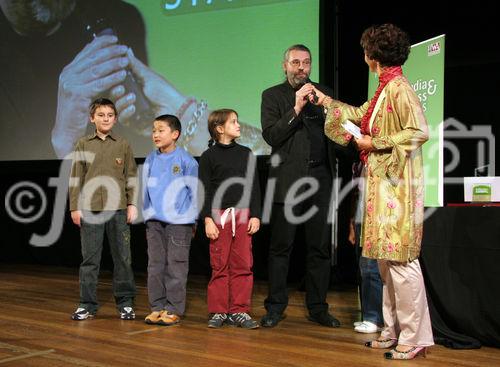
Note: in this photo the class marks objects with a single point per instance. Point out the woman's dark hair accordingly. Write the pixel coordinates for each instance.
(387, 44)
(218, 118)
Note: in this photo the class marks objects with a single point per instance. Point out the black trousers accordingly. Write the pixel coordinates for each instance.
(317, 241)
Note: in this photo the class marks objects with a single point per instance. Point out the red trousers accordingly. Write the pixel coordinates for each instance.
(230, 288)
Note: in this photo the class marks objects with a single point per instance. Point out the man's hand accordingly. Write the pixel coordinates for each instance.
(98, 67)
(211, 229)
(253, 225)
(76, 217)
(352, 233)
(302, 96)
(131, 213)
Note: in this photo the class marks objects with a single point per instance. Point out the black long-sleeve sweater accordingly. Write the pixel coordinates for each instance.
(222, 162)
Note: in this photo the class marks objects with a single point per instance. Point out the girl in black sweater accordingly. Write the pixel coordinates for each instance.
(231, 213)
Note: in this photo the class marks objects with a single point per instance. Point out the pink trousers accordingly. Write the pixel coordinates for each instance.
(406, 315)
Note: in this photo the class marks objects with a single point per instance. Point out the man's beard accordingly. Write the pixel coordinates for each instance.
(40, 17)
(51, 11)
(296, 80)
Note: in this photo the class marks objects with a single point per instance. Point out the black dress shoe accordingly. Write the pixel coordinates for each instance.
(271, 319)
(325, 319)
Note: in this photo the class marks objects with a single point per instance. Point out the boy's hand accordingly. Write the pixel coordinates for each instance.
(211, 229)
(131, 213)
(76, 217)
(253, 225)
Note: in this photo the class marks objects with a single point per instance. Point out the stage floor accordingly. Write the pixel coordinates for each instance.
(36, 330)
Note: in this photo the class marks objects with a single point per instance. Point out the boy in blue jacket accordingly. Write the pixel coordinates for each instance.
(170, 210)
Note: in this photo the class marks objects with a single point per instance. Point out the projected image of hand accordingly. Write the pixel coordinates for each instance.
(164, 98)
(95, 69)
(162, 95)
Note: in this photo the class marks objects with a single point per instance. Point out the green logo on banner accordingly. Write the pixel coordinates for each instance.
(481, 193)
(434, 49)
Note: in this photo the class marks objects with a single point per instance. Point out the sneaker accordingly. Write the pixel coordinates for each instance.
(243, 320)
(127, 313)
(367, 327)
(81, 314)
(217, 320)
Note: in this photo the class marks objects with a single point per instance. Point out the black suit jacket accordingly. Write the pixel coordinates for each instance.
(286, 134)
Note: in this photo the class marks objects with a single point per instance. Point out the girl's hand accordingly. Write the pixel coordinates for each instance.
(253, 225)
(211, 229)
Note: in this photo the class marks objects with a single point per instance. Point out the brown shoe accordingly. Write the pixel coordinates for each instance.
(153, 318)
(168, 318)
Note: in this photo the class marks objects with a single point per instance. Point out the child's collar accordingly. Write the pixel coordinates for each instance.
(95, 135)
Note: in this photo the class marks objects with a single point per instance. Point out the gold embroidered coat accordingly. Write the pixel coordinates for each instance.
(394, 189)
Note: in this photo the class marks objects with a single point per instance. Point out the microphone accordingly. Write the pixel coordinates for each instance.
(315, 98)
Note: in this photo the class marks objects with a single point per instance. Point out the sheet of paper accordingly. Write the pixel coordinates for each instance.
(352, 129)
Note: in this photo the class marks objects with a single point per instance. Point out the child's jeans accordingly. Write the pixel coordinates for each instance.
(92, 237)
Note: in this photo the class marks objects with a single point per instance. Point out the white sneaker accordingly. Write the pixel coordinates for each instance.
(81, 314)
(127, 313)
(367, 327)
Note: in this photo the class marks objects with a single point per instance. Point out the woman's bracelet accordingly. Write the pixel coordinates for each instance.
(193, 122)
(183, 108)
(326, 101)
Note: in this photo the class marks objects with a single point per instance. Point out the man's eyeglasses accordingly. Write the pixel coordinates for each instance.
(296, 63)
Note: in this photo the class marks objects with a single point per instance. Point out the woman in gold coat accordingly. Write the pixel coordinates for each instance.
(393, 129)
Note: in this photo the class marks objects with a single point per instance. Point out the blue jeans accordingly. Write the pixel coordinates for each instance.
(92, 237)
(371, 286)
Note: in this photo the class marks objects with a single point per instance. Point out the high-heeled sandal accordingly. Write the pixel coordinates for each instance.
(409, 354)
(381, 344)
